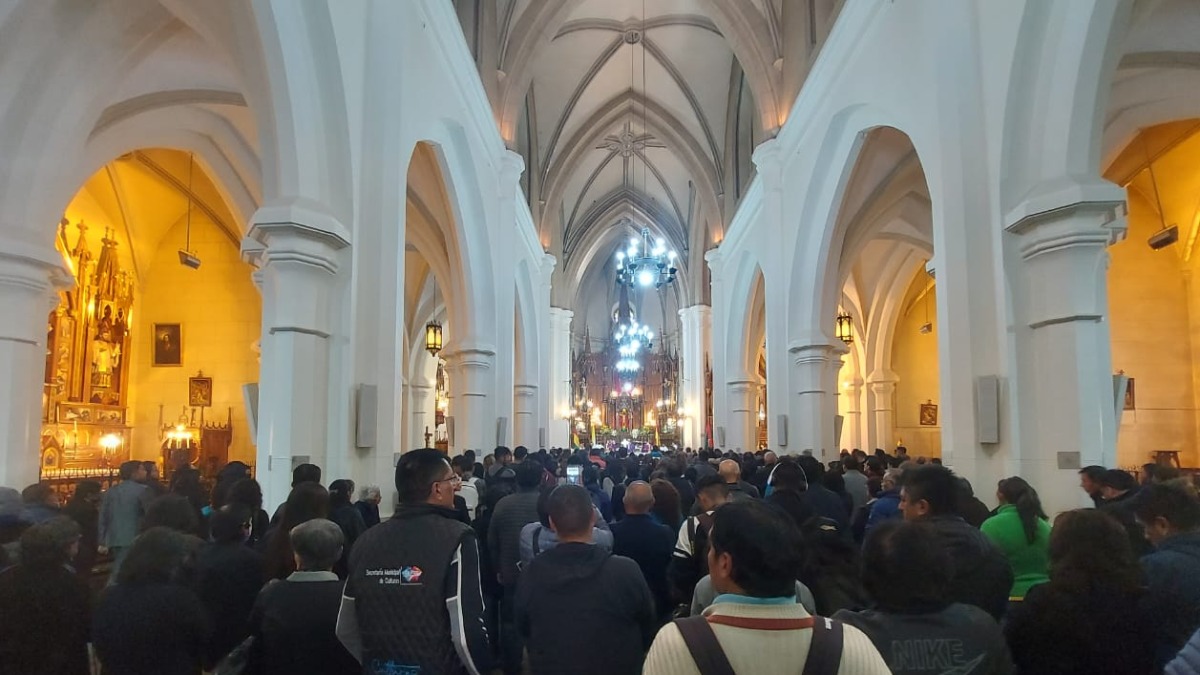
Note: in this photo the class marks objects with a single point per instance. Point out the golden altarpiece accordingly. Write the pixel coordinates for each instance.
(613, 408)
(85, 394)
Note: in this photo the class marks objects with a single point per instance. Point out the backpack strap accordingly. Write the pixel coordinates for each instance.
(825, 650)
(702, 643)
(537, 544)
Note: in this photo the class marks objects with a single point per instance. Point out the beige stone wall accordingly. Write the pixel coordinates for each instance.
(1152, 328)
(915, 362)
(220, 311)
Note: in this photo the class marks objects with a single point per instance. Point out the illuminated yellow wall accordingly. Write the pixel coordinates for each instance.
(915, 362)
(1149, 308)
(220, 311)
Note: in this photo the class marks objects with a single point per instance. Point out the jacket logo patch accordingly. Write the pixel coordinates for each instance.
(410, 574)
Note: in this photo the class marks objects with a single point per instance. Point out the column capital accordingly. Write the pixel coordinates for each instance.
(562, 317)
(296, 230)
(743, 384)
(29, 284)
(768, 161)
(548, 263)
(804, 353)
(1061, 193)
(1065, 256)
(511, 166)
(882, 375)
(696, 313)
(525, 390)
(715, 259)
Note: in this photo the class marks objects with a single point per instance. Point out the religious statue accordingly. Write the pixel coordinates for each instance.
(104, 331)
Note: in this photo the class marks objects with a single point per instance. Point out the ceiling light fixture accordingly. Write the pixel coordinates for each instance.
(1165, 235)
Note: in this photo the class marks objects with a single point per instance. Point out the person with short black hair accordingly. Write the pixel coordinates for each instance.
(151, 622)
(1120, 490)
(121, 514)
(690, 558)
(907, 572)
(503, 458)
(229, 575)
(824, 502)
(84, 509)
(755, 622)
(1089, 482)
(45, 607)
(342, 512)
(576, 591)
(1170, 515)
(511, 515)
(982, 575)
(303, 473)
(39, 503)
(413, 593)
(519, 454)
(294, 621)
(174, 512)
(1091, 617)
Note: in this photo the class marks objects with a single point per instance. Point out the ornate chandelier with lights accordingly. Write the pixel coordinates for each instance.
(630, 339)
(646, 262)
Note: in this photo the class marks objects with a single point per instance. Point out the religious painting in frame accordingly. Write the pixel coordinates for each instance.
(167, 349)
(1130, 397)
(200, 392)
(929, 414)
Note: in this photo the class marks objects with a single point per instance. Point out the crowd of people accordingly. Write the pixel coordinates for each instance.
(562, 561)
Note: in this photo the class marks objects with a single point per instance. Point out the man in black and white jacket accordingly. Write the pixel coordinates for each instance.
(413, 598)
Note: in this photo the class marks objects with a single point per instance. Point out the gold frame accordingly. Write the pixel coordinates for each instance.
(154, 352)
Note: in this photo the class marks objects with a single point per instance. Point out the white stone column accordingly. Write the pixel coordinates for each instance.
(297, 248)
(545, 413)
(560, 375)
(740, 433)
(1066, 404)
(696, 336)
(525, 427)
(472, 380)
(717, 335)
(28, 283)
(838, 351)
(815, 404)
(420, 396)
(852, 427)
(882, 386)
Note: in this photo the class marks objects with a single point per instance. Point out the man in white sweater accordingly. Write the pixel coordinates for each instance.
(757, 624)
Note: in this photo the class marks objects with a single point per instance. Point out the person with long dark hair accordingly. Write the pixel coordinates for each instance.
(151, 622)
(666, 504)
(1021, 531)
(306, 502)
(1091, 616)
(248, 493)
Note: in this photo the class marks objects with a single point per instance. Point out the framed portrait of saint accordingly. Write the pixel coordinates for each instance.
(929, 414)
(167, 349)
(1130, 396)
(200, 392)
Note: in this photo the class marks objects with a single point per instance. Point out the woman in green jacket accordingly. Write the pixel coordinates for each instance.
(1021, 531)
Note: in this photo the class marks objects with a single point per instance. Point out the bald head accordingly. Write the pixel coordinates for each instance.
(730, 471)
(769, 458)
(639, 498)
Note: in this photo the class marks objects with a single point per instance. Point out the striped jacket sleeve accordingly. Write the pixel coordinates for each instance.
(464, 603)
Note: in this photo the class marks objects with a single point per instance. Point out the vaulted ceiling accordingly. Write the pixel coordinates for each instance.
(634, 113)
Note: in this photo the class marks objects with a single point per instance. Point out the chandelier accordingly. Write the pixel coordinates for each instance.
(646, 262)
(630, 338)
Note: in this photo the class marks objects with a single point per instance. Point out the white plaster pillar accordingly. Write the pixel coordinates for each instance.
(504, 255)
(420, 393)
(545, 411)
(740, 432)
(297, 248)
(815, 405)
(852, 426)
(472, 381)
(560, 375)
(1065, 398)
(882, 385)
(29, 280)
(525, 429)
(838, 351)
(717, 335)
(696, 336)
